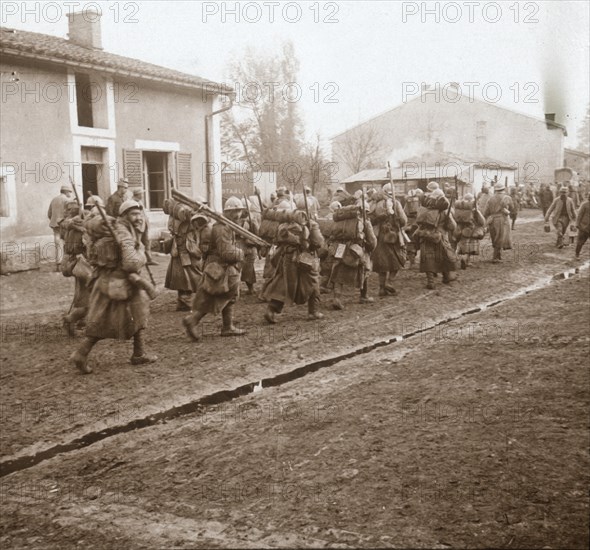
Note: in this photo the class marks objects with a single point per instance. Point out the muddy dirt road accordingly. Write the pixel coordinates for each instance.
(473, 430)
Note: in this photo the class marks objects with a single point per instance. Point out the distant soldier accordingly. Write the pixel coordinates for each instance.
(483, 196)
(497, 214)
(115, 201)
(583, 225)
(250, 220)
(435, 223)
(119, 304)
(220, 286)
(516, 197)
(55, 213)
(388, 219)
(296, 279)
(470, 229)
(411, 207)
(75, 265)
(313, 204)
(562, 213)
(545, 197)
(145, 229)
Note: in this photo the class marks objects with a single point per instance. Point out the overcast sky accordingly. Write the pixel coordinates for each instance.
(358, 57)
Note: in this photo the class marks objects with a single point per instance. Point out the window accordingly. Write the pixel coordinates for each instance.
(157, 172)
(156, 178)
(91, 100)
(84, 100)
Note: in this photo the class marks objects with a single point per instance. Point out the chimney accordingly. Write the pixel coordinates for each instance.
(550, 117)
(84, 29)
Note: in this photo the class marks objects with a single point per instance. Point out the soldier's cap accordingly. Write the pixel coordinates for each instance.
(468, 197)
(499, 187)
(138, 192)
(65, 189)
(127, 205)
(335, 206)
(233, 203)
(123, 182)
(307, 189)
(341, 189)
(432, 186)
(437, 193)
(563, 190)
(94, 200)
(199, 215)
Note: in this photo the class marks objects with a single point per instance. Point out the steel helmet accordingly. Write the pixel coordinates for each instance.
(233, 203)
(128, 205)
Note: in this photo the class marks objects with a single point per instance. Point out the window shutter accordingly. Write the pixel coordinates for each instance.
(183, 166)
(133, 167)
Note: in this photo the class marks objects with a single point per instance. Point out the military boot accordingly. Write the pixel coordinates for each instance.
(313, 305)
(191, 324)
(140, 357)
(337, 300)
(80, 357)
(429, 280)
(228, 328)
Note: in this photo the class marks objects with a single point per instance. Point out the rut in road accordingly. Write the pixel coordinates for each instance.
(197, 406)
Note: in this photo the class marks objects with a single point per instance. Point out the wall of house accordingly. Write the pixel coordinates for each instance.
(421, 126)
(147, 113)
(35, 121)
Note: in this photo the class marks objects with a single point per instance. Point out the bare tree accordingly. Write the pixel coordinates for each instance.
(359, 148)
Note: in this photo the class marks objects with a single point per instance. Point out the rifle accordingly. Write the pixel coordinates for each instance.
(257, 193)
(402, 236)
(133, 278)
(364, 212)
(248, 210)
(77, 197)
(236, 228)
(306, 207)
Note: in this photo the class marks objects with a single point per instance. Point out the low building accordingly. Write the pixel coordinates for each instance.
(474, 130)
(70, 109)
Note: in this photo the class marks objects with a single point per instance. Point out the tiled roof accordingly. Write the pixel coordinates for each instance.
(53, 49)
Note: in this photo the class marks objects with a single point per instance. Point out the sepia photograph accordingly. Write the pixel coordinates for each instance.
(294, 274)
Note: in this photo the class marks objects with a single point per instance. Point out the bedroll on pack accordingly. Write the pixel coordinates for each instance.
(177, 210)
(427, 217)
(346, 230)
(464, 212)
(347, 213)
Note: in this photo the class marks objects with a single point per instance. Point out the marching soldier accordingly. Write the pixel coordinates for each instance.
(251, 222)
(145, 228)
(220, 286)
(435, 222)
(497, 212)
(75, 265)
(353, 266)
(389, 256)
(119, 303)
(470, 229)
(411, 209)
(562, 213)
(296, 279)
(186, 257)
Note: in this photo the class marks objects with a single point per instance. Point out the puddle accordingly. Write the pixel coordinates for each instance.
(15, 465)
